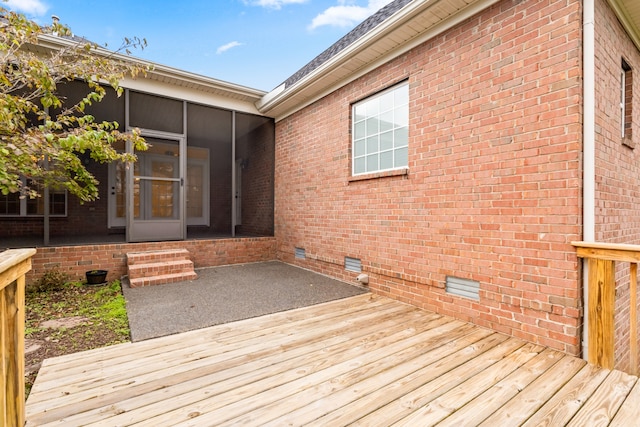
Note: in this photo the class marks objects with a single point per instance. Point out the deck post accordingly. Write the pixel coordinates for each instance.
(14, 264)
(601, 312)
(633, 317)
(602, 258)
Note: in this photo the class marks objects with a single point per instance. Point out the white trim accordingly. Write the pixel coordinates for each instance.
(623, 111)
(113, 221)
(193, 95)
(588, 153)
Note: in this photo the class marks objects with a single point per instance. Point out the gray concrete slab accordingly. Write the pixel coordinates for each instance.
(225, 294)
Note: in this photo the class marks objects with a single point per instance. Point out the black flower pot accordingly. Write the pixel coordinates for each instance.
(96, 277)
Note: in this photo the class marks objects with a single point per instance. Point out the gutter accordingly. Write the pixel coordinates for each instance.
(588, 153)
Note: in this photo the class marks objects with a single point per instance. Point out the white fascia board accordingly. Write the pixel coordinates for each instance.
(267, 98)
(194, 95)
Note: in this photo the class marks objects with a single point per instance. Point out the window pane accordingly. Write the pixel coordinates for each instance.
(373, 107)
(372, 163)
(372, 145)
(164, 168)
(386, 101)
(164, 199)
(359, 130)
(386, 121)
(386, 160)
(360, 112)
(401, 137)
(57, 203)
(372, 126)
(401, 95)
(386, 141)
(359, 148)
(401, 116)
(402, 157)
(120, 189)
(360, 165)
(10, 204)
(35, 206)
(195, 188)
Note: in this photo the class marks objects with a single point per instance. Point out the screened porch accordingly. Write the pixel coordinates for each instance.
(207, 174)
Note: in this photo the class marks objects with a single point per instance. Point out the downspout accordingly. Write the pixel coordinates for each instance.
(588, 137)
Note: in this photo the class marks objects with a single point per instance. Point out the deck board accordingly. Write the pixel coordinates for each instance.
(364, 360)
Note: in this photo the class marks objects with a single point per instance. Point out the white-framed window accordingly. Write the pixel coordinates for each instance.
(380, 132)
(14, 205)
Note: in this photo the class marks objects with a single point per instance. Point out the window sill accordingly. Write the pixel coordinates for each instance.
(376, 175)
(629, 142)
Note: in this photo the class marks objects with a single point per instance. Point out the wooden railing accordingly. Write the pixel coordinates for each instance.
(601, 300)
(14, 264)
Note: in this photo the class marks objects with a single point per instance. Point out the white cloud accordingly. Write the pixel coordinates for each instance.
(228, 46)
(30, 7)
(273, 4)
(346, 14)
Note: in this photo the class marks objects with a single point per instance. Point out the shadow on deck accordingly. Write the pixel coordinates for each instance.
(363, 360)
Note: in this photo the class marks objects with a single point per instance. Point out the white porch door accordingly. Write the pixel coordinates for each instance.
(155, 191)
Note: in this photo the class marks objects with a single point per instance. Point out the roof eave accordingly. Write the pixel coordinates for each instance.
(280, 103)
(628, 13)
(159, 71)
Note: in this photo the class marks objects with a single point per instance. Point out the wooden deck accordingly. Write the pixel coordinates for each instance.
(364, 360)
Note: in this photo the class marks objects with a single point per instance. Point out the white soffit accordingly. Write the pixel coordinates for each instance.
(412, 25)
(628, 12)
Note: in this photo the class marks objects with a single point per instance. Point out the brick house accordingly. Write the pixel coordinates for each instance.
(467, 201)
(451, 151)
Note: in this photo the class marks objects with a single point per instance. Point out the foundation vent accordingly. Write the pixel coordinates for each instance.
(463, 287)
(300, 253)
(352, 264)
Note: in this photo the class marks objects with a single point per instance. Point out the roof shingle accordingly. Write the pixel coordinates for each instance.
(359, 31)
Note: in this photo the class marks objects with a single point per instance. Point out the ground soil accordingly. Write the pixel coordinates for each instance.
(68, 320)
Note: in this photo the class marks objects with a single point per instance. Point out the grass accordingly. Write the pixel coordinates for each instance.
(100, 314)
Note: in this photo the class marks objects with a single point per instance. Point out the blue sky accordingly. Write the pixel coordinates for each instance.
(255, 43)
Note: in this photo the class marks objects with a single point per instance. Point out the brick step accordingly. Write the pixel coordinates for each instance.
(161, 279)
(148, 257)
(160, 268)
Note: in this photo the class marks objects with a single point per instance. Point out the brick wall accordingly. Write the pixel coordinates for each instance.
(76, 260)
(256, 148)
(493, 191)
(617, 160)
